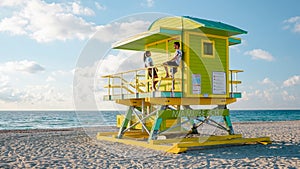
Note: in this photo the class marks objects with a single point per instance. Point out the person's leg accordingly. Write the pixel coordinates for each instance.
(166, 69)
(155, 76)
(173, 86)
(150, 77)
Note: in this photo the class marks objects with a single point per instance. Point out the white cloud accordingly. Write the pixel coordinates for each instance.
(36, 97)
(293, 24)
(119, 30)
(42, 93)
(4, 80)
(15, 25)
(8, 94)
(19, 90)
(268, 95)
(62, 73)
(99, 6)
(60, 76)
(148, 3)
(260, 54)
(19, 87)
(80, 10)
(287, 97)
(295, 80)
(269, 83)
(89, 85)
(45, 22)
(50, 79)
(23, 66)
(10, 3)
(123, 61)
(266, 81)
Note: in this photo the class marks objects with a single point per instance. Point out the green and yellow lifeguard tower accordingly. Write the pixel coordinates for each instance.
(170, 118)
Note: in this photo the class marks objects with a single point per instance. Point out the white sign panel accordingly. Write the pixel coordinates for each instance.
(219, 83)
(196, 81)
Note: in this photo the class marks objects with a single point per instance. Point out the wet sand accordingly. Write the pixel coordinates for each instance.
(77, 148)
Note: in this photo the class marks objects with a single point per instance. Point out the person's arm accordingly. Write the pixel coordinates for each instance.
(147, 62)
(175, 57)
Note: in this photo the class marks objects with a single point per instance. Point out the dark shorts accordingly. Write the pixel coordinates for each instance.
(154, 72)
(170, 63)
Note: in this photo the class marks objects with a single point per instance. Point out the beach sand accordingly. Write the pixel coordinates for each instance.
(73, 148)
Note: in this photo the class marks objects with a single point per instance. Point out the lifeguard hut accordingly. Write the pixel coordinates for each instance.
(158, 119)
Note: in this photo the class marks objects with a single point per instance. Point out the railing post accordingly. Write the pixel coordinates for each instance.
(121, 80)
(143, 113)
(136, 82)
(109, 86)
(231, 84)
(152, 71)
(173, 77)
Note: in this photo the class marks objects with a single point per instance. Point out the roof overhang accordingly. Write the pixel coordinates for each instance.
(139, 41)
(234, 41)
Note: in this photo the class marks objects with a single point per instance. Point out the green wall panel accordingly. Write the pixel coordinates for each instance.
(206, 65)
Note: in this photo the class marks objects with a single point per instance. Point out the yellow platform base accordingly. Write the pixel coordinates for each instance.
(179, 145)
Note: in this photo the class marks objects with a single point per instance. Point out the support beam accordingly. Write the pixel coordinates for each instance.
(125, 122)
(155, 129)
(228, 124)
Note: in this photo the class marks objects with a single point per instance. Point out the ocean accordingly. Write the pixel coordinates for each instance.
(18, 120)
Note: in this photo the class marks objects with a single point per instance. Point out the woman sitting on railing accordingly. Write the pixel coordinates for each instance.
(151, 70)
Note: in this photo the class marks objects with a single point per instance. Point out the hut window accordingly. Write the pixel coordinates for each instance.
(208, 48)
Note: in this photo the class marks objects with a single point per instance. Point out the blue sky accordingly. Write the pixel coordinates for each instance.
(42, 40)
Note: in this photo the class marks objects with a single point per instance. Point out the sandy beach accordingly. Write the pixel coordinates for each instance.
(73, 148)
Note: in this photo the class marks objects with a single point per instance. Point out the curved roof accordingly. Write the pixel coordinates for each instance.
(187, 22)
(167, 27)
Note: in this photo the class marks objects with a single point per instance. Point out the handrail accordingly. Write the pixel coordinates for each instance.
(139, 82)
(234, 81)
(135, 70)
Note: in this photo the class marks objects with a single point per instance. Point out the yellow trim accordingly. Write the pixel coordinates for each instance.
(166, 148)
(236, 71)
(235, 82)
(167, 46)
(132, 102)
(196, 139)
(179, 144)
(175, 22)
(232, 37)
(213, 48)
(161, 41)
(222, 142)
(191, 101)
(187, 89)
(227, 68)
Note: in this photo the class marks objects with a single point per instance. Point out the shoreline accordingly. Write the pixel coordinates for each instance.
(109, 127)
(78, 148)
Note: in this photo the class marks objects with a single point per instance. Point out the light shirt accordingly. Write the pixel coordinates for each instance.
(149, 62)
(179, 56)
